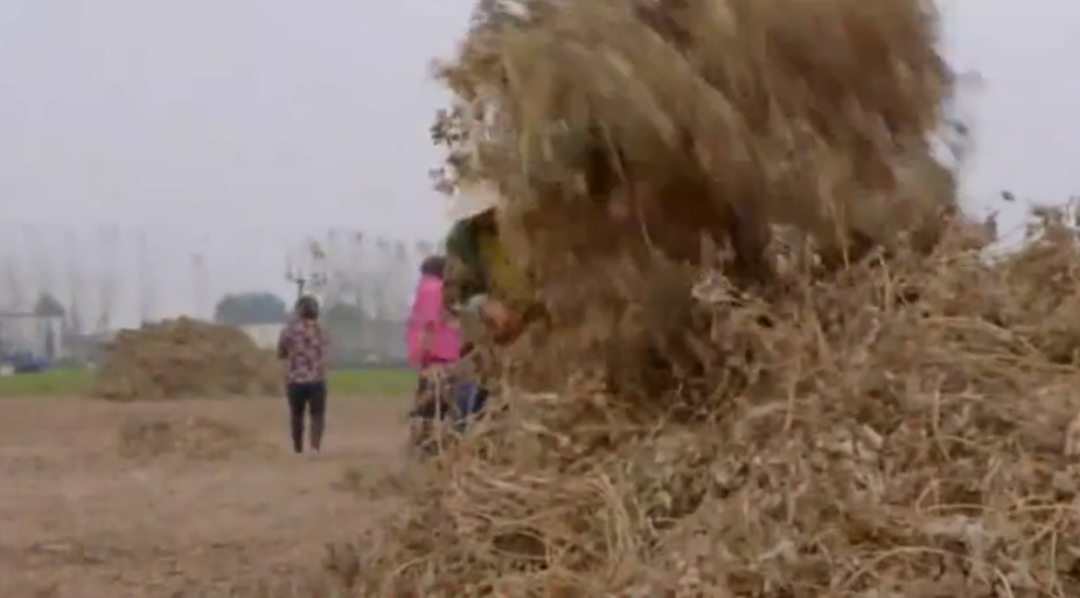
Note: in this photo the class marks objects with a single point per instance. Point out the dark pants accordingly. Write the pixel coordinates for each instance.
(437, 398)
(310, 397)
(471, 399)
(464, 397)
(427, 403)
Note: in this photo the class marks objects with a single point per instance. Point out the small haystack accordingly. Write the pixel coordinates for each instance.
(185, 358)
(196, 438)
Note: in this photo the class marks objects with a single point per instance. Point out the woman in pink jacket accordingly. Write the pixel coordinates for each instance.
(433, 340)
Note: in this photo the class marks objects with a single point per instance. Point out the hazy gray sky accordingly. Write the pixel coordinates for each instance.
(226, 126)
(1027, 130)
(235, 126)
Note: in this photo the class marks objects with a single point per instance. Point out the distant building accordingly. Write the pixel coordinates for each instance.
(87, 348)
(265, 336)
(22, 332)
(371, 342)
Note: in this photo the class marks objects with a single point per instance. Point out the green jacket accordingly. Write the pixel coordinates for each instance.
(466, 273)
(479, 264)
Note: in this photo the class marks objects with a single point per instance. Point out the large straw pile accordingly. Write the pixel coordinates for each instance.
(893, 426)
(843, 441)
(185, 358)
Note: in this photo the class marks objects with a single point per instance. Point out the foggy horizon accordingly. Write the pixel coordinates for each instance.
(237, 130)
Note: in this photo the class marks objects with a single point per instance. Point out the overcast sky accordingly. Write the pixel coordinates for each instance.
(235, 127)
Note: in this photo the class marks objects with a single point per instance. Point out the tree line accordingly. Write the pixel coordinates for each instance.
(91, 278)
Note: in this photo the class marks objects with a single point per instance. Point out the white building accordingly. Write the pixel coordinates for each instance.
(265, 336)
(27, 332)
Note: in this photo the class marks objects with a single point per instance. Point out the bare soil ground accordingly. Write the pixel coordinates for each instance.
(78, 518)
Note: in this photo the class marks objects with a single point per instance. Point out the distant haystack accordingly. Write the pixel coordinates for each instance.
(185, 358)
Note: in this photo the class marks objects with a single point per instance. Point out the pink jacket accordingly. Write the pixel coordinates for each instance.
(427, 314)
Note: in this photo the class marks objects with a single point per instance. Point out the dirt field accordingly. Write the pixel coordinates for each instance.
(86, 511)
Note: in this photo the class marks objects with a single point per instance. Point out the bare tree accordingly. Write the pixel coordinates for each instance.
(199, 285)
(356, 267)
(377, 279)
(147, 286)
(40, 260)
(403, 272)
(13, 293)
(107, 277)
(76, 283)
(308, 269)
(375, 275)
(344, 267)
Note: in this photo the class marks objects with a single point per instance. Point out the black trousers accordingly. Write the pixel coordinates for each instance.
(309, 397)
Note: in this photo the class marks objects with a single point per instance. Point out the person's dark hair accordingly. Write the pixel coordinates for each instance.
(307, 308)
(484, 221)
(433, 265)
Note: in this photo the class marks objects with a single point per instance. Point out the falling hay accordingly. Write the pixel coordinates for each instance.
(725, 117)
(185, 358)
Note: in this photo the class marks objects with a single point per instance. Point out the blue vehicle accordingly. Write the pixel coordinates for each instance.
(25, 362)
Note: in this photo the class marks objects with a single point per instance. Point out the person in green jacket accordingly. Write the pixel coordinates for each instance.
(483, 279)
(485, 286)
(486, 281)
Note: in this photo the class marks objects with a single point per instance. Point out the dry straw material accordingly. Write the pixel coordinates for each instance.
(878, 412)
(903, 430)
(725, 114)
(196, 438)
(185, 358)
